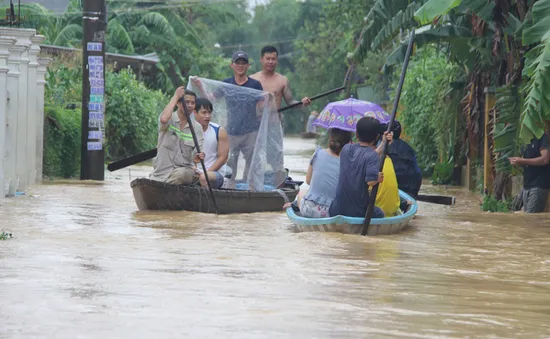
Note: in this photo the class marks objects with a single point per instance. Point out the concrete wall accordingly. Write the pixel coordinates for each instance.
(21, 110)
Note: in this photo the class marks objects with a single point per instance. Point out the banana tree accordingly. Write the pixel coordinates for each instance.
(491, 52)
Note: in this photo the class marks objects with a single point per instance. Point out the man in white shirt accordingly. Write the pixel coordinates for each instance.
(216, 146)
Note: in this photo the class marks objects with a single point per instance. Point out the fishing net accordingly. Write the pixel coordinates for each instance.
(255, 133)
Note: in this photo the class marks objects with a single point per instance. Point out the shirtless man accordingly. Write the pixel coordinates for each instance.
(278, 85)
(274, 82)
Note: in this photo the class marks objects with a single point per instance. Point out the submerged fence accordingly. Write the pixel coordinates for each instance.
(22, 80)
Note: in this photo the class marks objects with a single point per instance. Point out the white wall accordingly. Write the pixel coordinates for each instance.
(21, 110)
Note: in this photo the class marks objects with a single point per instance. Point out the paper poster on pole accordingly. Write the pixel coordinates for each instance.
(94, 146)
(94, 47)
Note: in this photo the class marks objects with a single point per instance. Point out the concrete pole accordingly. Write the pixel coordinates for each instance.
(41, 82)
(32, 109)
(5, 44)
(10, 160)
(23, 37)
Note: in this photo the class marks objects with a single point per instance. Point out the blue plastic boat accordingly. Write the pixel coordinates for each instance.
(353, 225)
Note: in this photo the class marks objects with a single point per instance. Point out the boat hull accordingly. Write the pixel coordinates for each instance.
(155, 195)
(351, 225)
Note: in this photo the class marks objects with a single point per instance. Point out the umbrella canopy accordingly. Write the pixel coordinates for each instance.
(344, 114)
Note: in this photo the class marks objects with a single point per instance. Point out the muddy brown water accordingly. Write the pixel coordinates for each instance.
(84, 263)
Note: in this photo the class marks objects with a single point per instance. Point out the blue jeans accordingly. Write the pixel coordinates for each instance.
(219, 180)
(377, 213)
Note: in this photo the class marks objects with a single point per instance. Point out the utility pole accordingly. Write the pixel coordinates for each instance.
(94, 20)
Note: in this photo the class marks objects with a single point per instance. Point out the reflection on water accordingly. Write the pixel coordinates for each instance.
(85, 263)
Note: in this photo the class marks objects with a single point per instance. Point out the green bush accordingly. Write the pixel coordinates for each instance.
(427, 116)
(131, 115)
(443, 173)
(62, 132)
(491, 204)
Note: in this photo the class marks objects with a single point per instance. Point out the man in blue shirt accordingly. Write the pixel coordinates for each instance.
(243, 121)
(359, 170)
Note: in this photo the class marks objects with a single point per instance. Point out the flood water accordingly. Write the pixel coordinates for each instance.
(84, 263)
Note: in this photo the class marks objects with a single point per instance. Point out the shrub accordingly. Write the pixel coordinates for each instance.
(61, 142)
(427, 116)
(491, 204)
(131, 115)
(443, 173)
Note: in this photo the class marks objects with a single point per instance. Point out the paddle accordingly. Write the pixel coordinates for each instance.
(312, 98)
(140, 157)
(374, 190)
(437, 199)
(196, 141)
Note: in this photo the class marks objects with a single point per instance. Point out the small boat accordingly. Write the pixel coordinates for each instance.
(353, 225)
(308, 135)
(155, 195)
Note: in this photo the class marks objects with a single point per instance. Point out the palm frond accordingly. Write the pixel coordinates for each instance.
(434, 9)
(537, 69)
(182, 27)
(67, 34)
(505, 130)
(380, 26)
(427, 35)
(118, 38)
(158, 22)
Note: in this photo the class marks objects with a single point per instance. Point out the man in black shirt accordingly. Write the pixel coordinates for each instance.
(536, 174)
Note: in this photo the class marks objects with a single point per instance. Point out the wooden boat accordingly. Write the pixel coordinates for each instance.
(308, 135)
(352, 225)
(154, 195)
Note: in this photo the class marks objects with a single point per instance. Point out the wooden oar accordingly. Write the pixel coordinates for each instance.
(324, 94)
(437, 199)
(197, 147)
(374, 191)
(137, 158)
(134, 159)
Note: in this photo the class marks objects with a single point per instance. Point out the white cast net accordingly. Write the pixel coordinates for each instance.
(255, 133)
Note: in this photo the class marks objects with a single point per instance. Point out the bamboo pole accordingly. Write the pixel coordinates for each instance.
(490, 101)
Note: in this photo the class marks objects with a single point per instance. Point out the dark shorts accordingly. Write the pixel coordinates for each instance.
(534, 199)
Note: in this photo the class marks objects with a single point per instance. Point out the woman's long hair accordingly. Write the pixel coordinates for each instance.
(337, 138)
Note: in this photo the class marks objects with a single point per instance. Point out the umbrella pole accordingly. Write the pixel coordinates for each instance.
(374, 191)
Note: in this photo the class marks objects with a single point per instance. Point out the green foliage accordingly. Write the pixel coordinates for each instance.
(505, 128)
(64, 82)
(443, 173)
(131, 115)
(62, 126)
(426, 117)
(537, 68)
(62, 133)
(383, 22)
(491, 204)
(434, 9)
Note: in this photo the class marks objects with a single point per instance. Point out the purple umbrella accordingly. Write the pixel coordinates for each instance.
(344, 114)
